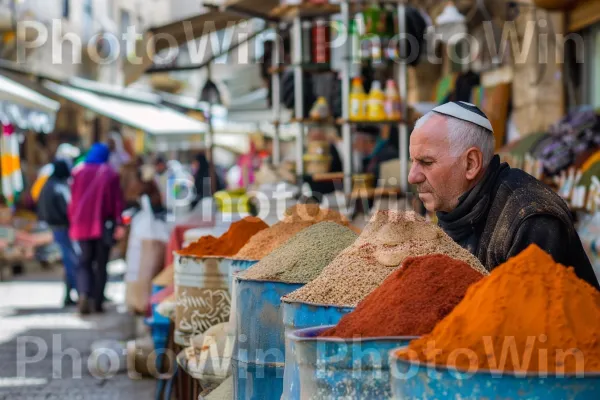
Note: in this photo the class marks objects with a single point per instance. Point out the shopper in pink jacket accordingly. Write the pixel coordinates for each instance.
(94, 213)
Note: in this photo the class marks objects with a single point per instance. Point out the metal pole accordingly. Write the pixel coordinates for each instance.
(346, 134)
(403, 86)
(298, 95)
(275, 97)
(210, 146)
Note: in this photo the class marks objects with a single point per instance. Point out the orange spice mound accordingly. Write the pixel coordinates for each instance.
(530, 314)
(229, 243)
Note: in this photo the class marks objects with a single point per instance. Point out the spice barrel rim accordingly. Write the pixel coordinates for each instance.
(199, 257)
(294, 335)
(308, 303)
(234, 258)
(240, 278)
(493, 373)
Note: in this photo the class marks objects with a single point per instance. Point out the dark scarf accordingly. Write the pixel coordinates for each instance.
(473, 206)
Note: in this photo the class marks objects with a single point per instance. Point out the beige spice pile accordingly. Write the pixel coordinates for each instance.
(386, 241)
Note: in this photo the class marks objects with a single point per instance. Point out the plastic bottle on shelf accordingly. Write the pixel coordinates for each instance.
(392, 101)
(358, 101)
(354, 38)
(376, 103)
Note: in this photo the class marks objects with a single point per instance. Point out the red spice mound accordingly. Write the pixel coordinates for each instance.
(411, 301)
(229, 243)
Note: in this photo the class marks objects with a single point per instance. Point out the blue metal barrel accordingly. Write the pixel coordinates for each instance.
(236, 266)
(417, 380)
(260, 344)
(333, 368)
(297, 316)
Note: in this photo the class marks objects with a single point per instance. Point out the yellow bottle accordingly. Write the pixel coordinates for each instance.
(358, 101)
(376, 103)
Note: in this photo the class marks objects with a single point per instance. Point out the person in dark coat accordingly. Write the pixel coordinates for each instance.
(373, 149)
(202, 178)
(52, 208)
(486, 206)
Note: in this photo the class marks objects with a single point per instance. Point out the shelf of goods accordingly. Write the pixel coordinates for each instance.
(309, 33)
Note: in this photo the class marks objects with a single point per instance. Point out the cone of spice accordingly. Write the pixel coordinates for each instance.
(303, 257)
(531, 307)
(411, 301)
(229, 243)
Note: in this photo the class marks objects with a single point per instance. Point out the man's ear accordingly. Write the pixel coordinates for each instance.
(474, 163)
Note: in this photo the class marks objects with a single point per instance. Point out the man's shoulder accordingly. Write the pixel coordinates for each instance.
(515, 180)
(522, 193)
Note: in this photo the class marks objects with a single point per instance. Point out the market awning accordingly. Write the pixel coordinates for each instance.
(149, 117)
(25, 107)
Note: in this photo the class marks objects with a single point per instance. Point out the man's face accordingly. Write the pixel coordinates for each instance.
(161, 167)
(439, 176)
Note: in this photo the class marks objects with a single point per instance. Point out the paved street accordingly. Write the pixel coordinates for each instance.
(55, 344)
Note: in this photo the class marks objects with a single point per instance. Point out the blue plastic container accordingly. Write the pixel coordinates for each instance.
(260, 344)
(333, 368)
(158, 319)
(160, 332)
(300, 316)
(417, 380)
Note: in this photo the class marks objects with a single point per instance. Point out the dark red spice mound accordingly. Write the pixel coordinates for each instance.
(411, 301)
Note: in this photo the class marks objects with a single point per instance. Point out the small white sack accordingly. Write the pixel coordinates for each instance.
(144, 226)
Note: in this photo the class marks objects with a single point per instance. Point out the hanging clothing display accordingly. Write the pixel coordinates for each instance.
(12, 178)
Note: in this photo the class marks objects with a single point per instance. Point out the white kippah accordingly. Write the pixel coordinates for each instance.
(466, 112)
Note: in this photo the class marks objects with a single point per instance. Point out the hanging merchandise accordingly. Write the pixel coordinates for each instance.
(372, 16)
(320, 110)
(392, 101)
(358, 101)
(306, 42)
(391, 46)
(321, 36)
(12, 179)
(376, 103)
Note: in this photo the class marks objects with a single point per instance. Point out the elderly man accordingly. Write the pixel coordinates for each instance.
(487, 207)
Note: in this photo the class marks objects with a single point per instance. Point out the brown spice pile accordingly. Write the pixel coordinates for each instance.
(411, 301)
(296, 219)
(386, 241)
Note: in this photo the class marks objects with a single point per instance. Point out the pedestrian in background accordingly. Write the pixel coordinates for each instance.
(95, 212)
(53, 209)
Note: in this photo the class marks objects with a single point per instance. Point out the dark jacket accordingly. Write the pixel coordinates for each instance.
(509, 210)
(54, 197)
(372, 164)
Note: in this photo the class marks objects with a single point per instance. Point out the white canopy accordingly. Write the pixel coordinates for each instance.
(149, 117)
